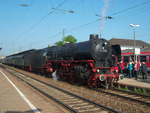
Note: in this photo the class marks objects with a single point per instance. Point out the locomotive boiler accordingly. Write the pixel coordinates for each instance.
(95, 49)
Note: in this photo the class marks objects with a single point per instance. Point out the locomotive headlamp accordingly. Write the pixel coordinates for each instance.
(98, 70)
(101, 77)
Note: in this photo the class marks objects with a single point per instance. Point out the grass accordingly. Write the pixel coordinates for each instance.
(136, 90)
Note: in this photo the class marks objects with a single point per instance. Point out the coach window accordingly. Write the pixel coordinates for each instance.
(143, 58)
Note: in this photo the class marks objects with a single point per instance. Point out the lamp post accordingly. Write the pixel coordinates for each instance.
(134, 26)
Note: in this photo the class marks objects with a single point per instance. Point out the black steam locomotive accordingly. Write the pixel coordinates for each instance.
(92, 62)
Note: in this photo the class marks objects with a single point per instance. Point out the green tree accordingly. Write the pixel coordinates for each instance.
(59, 43)
(49, 45)
(69, 39)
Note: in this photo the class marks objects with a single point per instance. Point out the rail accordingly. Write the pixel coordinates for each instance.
(72, 102)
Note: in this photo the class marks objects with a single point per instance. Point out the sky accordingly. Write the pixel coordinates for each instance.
(35, 24)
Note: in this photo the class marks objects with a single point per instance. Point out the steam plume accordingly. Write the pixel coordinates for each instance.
(104, 14)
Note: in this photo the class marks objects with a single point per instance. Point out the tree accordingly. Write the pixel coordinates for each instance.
(59, 43)
(49, 45)
(69, 39)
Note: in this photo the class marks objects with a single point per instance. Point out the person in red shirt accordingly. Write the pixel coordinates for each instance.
(136, 69)
(122, 67)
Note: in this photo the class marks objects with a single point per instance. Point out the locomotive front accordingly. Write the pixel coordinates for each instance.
(104, 68)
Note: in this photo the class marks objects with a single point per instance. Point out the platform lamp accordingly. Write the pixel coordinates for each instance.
(134, 26)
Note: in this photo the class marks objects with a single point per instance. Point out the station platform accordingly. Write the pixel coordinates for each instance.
(12, 100)
(17, 97)
(141, 83)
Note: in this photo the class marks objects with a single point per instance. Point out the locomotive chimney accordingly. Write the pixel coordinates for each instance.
(96, 36)
(93, 36)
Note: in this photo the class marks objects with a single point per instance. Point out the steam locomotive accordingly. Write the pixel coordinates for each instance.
(92, 62)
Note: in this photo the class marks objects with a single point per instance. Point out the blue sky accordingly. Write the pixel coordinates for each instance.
(23, 28)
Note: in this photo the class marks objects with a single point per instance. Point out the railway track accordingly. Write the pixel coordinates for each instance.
(144, 99)
(130, 105)
(74, 103)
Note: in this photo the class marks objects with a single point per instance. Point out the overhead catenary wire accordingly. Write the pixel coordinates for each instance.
(41, 19)
(74, 28)
(91, 22)
(132, 7)
(82, 25)
(113, 14)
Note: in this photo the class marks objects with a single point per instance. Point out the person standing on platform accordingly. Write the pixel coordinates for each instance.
(144, 70)
(133, 74)
(122, 67)
(136, 69)
(130, 69)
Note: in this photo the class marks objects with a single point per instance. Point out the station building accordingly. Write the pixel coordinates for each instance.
(128, 44)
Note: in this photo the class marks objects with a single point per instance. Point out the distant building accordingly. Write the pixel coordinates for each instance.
(129, 44)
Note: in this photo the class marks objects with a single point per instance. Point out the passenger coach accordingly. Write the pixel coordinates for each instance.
(143, 56)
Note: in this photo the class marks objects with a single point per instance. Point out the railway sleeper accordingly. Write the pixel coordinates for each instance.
(87, 106)
(80, 104)
(90, 110)
(75, 102)
(68, 99)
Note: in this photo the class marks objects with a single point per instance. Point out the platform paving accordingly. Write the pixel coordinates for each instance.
(11, 101)
(145, 83)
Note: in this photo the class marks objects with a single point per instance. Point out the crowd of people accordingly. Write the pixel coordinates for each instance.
(133, 69)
